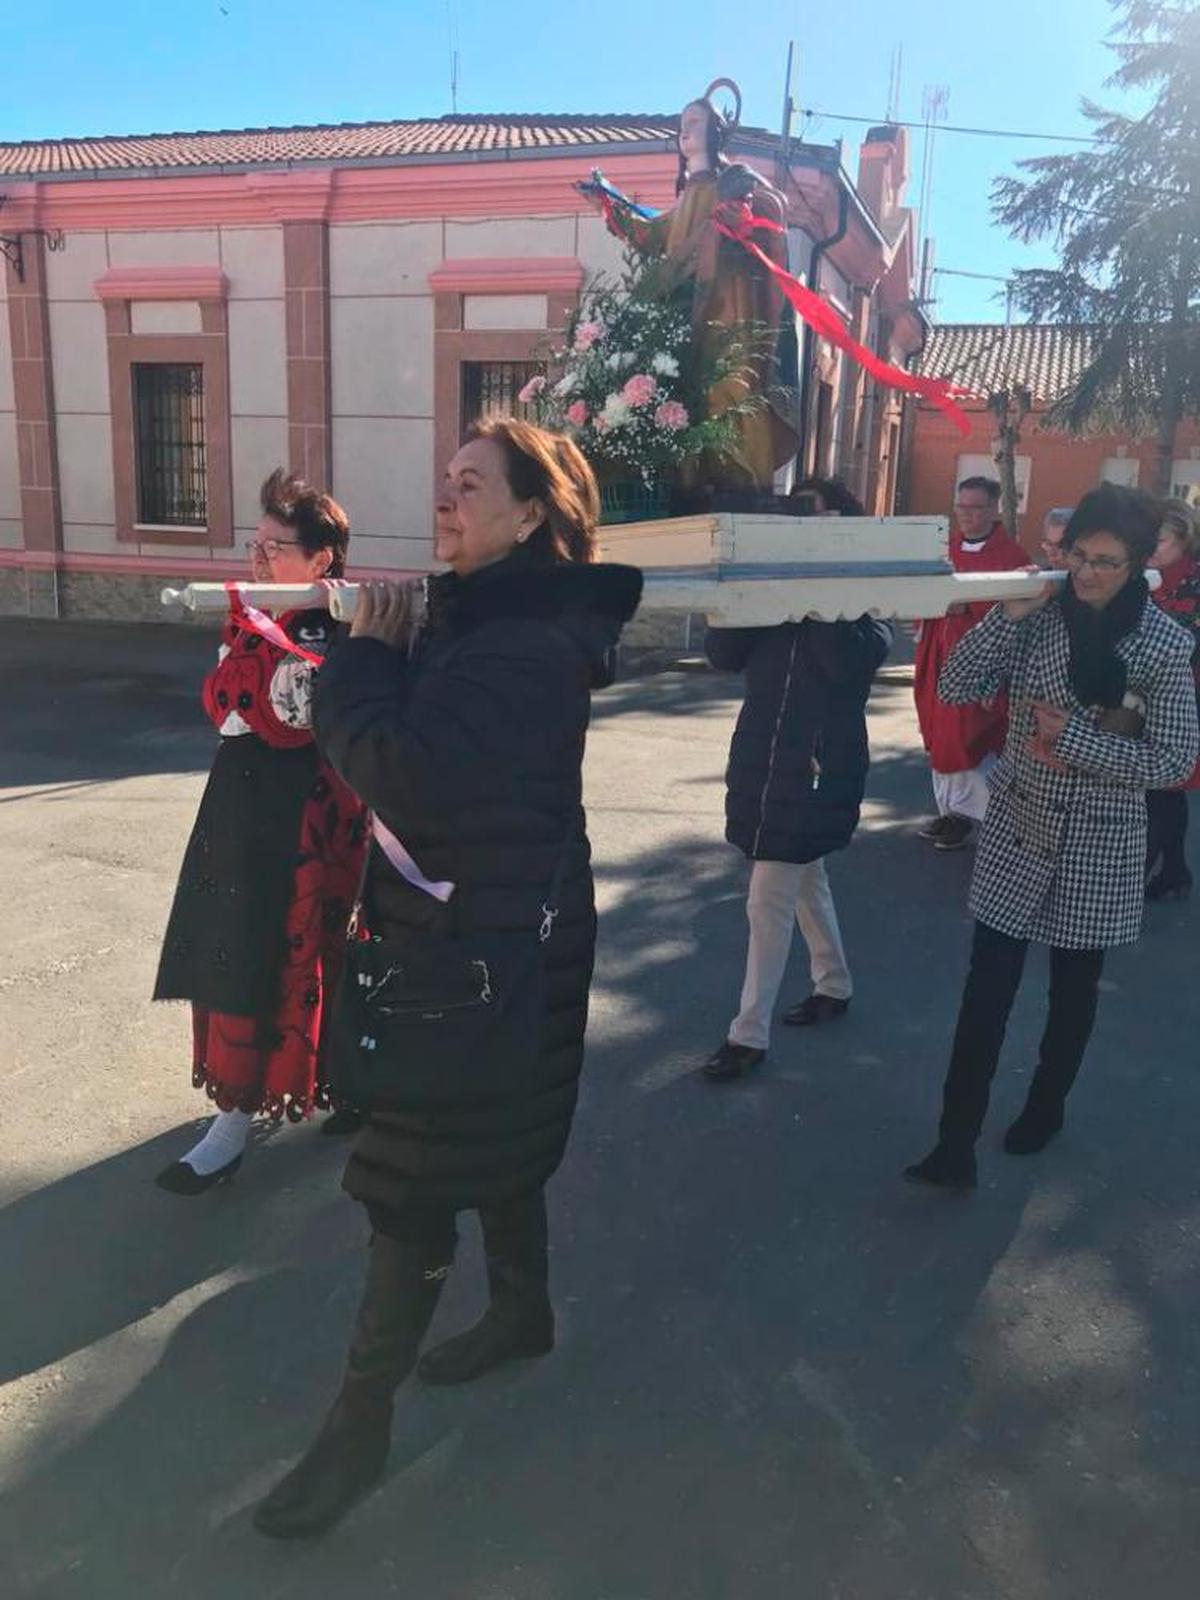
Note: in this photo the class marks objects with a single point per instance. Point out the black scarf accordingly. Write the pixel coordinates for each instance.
(1097, 673)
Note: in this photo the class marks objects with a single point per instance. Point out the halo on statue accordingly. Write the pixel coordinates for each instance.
(729, 120)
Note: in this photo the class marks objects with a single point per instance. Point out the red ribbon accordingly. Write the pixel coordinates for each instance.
(738, 222)
(266, 627)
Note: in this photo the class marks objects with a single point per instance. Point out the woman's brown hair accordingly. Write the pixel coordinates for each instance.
(316, 519)
(545, 466)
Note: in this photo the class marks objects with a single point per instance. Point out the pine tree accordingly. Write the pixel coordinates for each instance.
(1125, 217)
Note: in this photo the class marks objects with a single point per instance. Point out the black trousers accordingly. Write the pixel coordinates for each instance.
(1167, 822)
(515, 1231)
(997, 962)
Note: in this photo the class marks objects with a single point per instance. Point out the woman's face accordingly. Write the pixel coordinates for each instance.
(693, 137)
(1100, 567)
(277, 556)
(1169, 549)
(476, 519)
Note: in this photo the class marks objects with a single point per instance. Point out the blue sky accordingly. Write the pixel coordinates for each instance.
(145, 67)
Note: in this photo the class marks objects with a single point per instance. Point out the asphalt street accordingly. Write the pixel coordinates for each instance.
(782, 1373)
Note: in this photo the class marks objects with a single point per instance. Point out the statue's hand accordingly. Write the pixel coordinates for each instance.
(736, 183)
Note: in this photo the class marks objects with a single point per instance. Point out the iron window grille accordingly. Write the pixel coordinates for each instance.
(169, 423)
(490, 389)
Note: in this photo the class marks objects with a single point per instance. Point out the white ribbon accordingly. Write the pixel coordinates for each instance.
(404, 864)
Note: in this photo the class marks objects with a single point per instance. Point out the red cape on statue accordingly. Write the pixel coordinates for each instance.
(959, 737)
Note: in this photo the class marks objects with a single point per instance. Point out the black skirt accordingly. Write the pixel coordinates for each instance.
(225, 939)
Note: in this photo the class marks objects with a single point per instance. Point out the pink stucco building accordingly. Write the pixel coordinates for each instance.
(184, 312)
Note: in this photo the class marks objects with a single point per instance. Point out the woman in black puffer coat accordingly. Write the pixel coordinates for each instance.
(466, 739)
(793, 788)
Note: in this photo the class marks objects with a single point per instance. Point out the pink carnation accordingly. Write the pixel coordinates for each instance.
(587, 333)
(577, 413)
(640, 389)
(672, 416)
(532, 389)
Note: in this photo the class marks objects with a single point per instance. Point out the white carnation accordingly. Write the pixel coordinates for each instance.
(666, 366)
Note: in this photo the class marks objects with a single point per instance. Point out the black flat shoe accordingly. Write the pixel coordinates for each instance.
(816, 1009)
(1029, 1134)
(179, 1178)
(340, 1124)
(945, 1169)
(732, 1061)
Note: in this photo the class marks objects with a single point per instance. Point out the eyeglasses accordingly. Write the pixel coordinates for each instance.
(270, 547)
(1076, 560)
(1052, 546)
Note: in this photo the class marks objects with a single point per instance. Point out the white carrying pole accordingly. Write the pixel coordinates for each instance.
(339, 599)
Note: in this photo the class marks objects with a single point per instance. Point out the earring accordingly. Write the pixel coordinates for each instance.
(521, 538)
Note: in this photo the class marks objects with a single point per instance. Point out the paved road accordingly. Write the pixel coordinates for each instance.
(782, 1375)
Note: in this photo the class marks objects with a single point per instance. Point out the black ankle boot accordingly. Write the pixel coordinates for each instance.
(519, 1322)
(945, 1167)
(497, 1337)
(1032, 1131)
(349, 1454)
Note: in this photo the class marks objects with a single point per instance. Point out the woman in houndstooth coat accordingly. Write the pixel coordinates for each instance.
(1102, 709)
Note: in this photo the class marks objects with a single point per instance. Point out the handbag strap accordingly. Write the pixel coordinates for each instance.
(550, 903)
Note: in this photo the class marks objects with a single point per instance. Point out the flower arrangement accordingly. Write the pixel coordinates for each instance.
(630, 385)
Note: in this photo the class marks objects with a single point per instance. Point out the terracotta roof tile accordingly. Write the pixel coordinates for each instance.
(986, 356)
(361, 141)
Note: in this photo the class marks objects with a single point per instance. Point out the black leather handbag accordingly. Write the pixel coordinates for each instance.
(424, 1021)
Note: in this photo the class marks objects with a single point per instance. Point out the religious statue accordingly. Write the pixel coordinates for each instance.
(734, 292)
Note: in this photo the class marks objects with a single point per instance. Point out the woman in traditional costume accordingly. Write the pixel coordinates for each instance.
(259, 920)
(735, 297)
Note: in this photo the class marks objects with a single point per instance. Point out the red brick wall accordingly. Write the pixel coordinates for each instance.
(1063, 468)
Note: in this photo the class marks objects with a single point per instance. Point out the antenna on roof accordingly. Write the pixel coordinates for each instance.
(893, 105)
(452, 33)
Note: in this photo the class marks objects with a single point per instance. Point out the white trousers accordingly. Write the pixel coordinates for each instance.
(782, 894)
(963, 794)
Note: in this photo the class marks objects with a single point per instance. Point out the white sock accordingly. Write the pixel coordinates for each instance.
(225, 1139)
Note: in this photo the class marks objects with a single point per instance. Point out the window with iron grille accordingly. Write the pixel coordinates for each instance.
(490, 389)
(168, 408)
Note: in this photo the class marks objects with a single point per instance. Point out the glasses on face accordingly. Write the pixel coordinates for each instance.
(269, 548)
(1052, 547)
(1076, 560)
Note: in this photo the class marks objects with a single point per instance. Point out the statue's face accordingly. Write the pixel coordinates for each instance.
(693, 136)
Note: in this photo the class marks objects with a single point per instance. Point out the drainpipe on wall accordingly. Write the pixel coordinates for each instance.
(819, 250)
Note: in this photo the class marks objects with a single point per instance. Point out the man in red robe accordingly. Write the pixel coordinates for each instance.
(963, 741)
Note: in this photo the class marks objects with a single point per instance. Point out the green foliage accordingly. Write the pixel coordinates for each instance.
(1125, 217)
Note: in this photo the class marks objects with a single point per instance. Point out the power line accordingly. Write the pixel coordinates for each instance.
(944, 127)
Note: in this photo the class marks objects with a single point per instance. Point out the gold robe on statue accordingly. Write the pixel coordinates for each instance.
(732, 291)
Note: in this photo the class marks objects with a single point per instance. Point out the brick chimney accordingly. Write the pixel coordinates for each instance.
(883, 170)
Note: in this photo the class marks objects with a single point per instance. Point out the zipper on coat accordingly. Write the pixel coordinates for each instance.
(783, 700)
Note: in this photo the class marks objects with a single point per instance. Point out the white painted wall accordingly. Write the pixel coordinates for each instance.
(85, 468)
(597, 249)
(184, 247)
(258, 445)
(79, 356)
(511, 236)
(257, 358)
(383, 258)
(382, 357)
(383, 472)
(71, 272)
(165, 316)
(253, 262)
(505, 311)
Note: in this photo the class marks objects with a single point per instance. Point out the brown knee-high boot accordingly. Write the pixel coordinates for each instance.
(348, 1456)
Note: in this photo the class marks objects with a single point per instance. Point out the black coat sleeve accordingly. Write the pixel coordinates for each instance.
(729, 649)
(430, 740)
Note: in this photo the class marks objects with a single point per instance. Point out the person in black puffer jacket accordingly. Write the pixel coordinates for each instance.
(467, 742)
(797, 767)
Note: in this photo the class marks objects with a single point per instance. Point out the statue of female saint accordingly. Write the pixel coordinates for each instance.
(732, 291)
